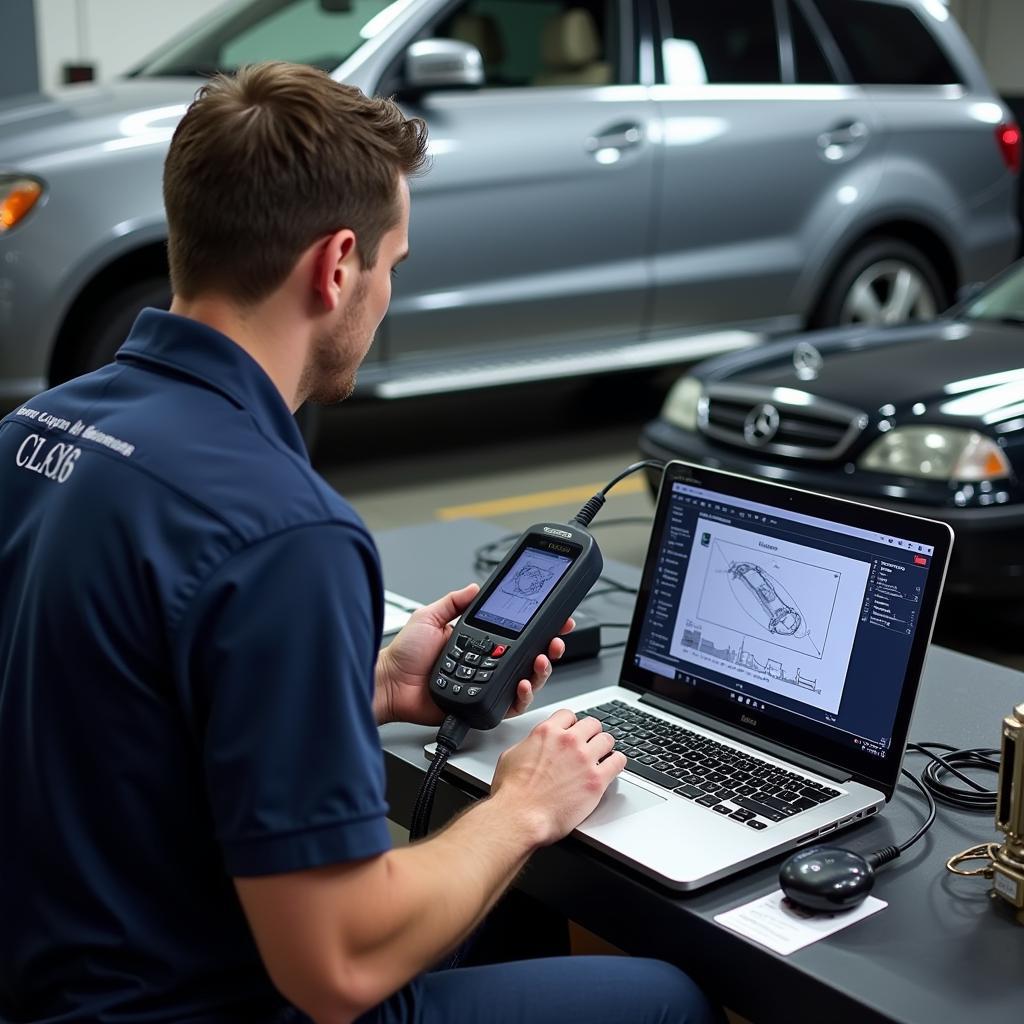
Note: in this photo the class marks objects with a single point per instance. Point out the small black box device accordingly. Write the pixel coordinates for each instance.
(520, 608)
(584, 641)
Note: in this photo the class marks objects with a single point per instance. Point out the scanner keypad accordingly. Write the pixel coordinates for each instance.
(468, 660)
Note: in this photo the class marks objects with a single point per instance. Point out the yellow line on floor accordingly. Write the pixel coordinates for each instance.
(539, 499)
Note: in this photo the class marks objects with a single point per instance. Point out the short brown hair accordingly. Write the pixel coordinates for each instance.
(266, 162)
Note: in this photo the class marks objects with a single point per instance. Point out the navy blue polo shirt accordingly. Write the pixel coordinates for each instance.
(189, 623)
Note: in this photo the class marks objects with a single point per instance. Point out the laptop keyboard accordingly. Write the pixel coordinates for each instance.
(729, 782)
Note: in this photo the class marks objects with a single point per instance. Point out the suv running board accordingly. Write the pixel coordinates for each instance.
(623, 357)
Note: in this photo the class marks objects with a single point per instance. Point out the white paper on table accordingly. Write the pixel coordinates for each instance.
(397, 610)
(774, 922)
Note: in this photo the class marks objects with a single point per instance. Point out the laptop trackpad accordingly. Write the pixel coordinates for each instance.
(620, 800)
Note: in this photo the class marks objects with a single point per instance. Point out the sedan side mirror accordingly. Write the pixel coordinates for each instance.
(432, 64)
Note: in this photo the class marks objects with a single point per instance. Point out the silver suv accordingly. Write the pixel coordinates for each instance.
(615, 183)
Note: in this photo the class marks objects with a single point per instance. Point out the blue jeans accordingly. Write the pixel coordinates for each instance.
(590, 989)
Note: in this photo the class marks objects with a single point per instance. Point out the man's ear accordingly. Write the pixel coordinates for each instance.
(336, 268)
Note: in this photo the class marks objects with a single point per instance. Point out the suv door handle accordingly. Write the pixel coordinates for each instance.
(616, 136)
(851, 133)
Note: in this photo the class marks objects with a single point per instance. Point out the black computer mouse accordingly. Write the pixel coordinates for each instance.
(826, 878)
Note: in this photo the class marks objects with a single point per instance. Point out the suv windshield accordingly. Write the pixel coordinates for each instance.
(1003, 301)
(322, 33)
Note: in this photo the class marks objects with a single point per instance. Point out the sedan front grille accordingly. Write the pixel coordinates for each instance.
(780, 421)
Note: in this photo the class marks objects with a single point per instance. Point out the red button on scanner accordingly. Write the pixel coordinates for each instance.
(498, 650)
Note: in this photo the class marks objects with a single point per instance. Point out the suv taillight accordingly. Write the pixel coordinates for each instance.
(1008, 137)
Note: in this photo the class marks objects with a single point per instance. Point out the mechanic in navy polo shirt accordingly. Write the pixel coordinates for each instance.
(192, 813)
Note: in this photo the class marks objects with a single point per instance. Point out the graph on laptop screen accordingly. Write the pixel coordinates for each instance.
(801, 618)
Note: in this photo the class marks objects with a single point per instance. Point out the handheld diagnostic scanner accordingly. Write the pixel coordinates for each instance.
(521, 606)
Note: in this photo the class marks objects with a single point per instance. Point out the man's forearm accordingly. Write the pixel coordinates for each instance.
(340, 939)
(438, 890)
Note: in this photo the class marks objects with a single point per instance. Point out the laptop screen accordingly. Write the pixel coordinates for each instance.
(798, 618)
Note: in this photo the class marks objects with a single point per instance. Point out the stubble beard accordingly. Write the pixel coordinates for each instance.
(329, 376)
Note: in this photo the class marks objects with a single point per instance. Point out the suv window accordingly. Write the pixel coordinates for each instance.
(885, 44)
(540, 42)
(812, 66)
(303, 31)
(725, 41)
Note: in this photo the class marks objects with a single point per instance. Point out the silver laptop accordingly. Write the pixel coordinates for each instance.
(768, 680)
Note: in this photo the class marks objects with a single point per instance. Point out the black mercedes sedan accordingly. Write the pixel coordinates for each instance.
(927, 418)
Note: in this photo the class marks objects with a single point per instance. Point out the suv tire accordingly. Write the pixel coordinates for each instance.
(883, 281)
(112, 321)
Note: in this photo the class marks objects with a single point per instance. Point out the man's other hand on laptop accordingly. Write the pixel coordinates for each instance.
(557, 774)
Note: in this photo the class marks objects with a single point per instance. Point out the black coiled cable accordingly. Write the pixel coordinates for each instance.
(973, 798)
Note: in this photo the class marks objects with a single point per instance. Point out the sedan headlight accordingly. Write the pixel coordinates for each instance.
(18, 194)
(937, 453)
(680, 406)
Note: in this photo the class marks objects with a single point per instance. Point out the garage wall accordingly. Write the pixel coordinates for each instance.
(18, 71)
(112, 34)
(996, 29)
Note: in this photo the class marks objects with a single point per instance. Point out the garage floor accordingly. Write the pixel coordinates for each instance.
(512, 457)
(525, 454)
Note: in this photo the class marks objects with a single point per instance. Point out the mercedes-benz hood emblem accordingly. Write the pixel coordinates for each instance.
(807, 361)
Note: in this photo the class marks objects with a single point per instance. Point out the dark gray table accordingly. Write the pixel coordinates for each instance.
(942, 952)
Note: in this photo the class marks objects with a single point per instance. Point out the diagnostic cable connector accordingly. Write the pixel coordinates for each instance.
(449, 739)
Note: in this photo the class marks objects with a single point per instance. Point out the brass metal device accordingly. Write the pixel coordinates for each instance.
(1008, 858)
(1004, 862)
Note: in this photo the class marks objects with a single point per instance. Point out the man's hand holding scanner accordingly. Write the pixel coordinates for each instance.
(404, 666)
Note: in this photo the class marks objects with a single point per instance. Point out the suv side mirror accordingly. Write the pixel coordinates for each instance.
(442, 64)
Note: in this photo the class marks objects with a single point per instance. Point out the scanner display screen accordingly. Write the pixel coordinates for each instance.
(514, 598)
